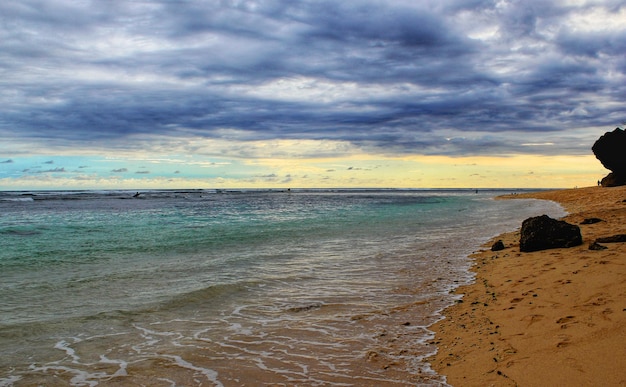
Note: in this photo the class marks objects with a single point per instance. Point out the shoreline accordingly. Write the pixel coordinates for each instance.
(547, 318)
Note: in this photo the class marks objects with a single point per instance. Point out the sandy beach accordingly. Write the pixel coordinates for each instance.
(548, 318)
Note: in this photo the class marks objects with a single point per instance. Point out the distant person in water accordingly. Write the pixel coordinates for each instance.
(136, 195)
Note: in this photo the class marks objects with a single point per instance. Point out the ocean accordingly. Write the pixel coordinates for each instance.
(236, 287)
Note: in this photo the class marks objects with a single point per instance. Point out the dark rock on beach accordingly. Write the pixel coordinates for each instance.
(609, 149)
(543, 232)
(597, 246)
(618, 238)
(612, 239)
(499, 245)
(591, 221)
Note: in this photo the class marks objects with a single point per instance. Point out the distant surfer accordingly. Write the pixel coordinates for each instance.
(136, 195)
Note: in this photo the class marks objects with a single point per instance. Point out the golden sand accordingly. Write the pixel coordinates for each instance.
(548, 318)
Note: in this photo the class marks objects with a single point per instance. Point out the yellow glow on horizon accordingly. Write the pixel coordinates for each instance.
(415, 171)
(237, 163)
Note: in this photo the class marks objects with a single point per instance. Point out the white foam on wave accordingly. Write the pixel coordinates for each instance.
(152, 338)
(295, 376)
(28, 199)
(121, 363)
(238, 328)
(65, 346)
(80, 379)
(8, 382)
(210, 374)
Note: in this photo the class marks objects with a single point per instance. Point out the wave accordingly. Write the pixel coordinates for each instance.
(20, 232)
(212, 295)
(29, 196)
(100, 194)
(9, 199)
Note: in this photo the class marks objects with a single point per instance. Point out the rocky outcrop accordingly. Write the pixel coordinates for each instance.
(613, 180)
(543, 232)
(609, 149)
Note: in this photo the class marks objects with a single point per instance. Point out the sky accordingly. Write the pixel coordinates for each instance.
(134, 94)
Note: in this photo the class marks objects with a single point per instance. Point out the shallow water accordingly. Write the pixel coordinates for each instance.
(235, 288)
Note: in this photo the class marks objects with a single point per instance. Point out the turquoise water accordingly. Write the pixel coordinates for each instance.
(199, 287)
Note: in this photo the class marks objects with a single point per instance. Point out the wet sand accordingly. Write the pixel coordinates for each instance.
(548, 318)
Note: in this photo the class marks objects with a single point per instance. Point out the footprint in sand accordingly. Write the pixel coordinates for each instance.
(564, 341)
(564, 321)
(532, 318)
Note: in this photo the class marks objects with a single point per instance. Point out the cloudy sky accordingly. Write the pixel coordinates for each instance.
(283, 93)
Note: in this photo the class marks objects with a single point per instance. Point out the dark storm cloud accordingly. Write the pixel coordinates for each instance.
(432, 77)
(610, 43)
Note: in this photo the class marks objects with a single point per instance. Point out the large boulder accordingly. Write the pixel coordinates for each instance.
(613, 179)
(609, 149)
(543, 232)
